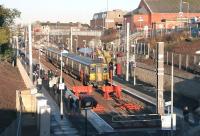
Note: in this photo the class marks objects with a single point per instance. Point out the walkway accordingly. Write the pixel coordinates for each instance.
(58, 127)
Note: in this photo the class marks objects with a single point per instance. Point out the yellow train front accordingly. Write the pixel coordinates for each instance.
(99, 74)
(89, 71)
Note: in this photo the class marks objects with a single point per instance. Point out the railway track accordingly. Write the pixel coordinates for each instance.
(70, 82)
(112, 107)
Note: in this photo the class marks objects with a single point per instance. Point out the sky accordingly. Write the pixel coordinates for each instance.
(65, 10)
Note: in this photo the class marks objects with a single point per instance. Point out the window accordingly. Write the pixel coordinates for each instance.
(105, 70)
(99, 70)
(92, 69)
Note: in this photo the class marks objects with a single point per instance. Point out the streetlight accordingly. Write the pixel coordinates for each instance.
(39, 81)
(172, 94)
(84, 46)
(134, 63)
(93, 44)
(68, 42)
(30, 52)
(119, 26)
(47, 32)
(87, 102)
(61, 85)
(76, 44)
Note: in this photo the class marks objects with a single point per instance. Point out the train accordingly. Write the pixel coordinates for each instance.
(90, 71)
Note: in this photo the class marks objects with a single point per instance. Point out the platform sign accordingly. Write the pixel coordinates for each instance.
(180, 14)
(61, 86)
(166, 122)
(169, 103)
(39, 81)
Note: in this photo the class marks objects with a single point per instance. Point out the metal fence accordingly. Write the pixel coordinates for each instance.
(182, 61)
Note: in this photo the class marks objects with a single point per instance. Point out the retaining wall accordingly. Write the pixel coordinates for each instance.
(24, 74)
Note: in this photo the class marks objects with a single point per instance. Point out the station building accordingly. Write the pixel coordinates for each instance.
(107, 19)
(162, 14)
(60, 34)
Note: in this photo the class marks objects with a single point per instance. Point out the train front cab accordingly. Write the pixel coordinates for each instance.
(105, 74)
(98, 74)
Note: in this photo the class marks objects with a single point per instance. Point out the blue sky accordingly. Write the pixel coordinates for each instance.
(65, 10)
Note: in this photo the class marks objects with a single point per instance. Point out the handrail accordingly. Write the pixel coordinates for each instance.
(20, 114)
(135, 120)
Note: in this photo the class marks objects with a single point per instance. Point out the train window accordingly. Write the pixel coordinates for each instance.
(99, 70)
(92, 69)
(105, 69)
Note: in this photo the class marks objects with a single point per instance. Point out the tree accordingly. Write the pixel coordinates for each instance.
(7, 17)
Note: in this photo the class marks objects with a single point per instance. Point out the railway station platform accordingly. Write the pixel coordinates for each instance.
(150, 99)
(58, 127)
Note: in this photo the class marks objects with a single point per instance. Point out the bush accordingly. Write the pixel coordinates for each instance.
(6, 53)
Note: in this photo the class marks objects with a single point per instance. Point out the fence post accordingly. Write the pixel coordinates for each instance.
(154, 54)
(141, 45)
(167, 58)
(180, 61)
(148, 50)
(187, 61)
(195, 59)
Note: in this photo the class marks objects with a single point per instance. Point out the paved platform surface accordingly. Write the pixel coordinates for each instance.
(59, 127)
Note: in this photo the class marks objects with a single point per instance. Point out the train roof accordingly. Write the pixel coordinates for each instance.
(81, 59)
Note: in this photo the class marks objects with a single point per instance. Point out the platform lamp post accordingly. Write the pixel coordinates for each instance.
(172, 94)
(84, 47)
(61, 85)
(87, 103)
(76, 45)
(30, 52)
(39, 79)
(127, 51)
(134, 64)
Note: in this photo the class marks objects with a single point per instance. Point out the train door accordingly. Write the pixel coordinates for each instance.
(105, 73)
(92, 71)
(99, 74)
(86, 75)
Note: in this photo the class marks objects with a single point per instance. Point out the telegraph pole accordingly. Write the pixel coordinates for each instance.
(160, 78)
(25, 43)
(134, 60)
(71, 39)
(172, 94)
(181, 5)
(127, 52)
(61, 89)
